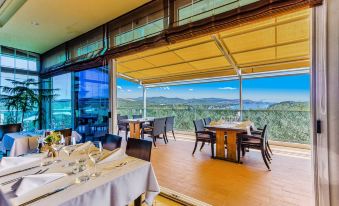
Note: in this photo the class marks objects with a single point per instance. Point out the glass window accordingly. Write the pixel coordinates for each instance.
(61, 105)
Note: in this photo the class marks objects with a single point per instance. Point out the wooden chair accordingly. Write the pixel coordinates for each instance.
(207, 121)
(9, 128)
(169, 126)
(203, 136)
(122, 125)
(156, 130)
(254, 142)
(111, 141)
(139, 148)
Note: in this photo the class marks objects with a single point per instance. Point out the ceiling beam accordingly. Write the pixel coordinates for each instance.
(222, 47)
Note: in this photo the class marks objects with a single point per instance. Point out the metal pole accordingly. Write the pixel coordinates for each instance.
(145, 102)
(113, 125)
(240, 96)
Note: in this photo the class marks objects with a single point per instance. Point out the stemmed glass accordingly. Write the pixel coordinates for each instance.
(69, 150)
(57, 147)
(95, 156)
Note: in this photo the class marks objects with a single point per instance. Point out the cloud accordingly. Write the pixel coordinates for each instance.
(119, 87)
(190, 89)
(128, 90)
(227, 88)
(139, 87)
(165, 88)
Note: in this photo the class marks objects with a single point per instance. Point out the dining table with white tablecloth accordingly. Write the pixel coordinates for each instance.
(20, 143)
(118, 184)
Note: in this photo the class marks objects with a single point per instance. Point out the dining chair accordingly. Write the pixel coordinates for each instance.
(139, 148)
(254, 142)
(122, 125)
(111, 141)
(169, 126)
(67, 133)
(156, 130)
(204, 136)
(8, 128)
(258, 131)
(136, 116)
(207, 121)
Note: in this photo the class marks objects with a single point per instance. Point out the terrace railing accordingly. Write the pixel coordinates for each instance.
(285, 126)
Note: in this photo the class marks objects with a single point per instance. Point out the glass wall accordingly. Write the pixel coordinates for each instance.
(91, 100)
(20, 66)
(130, 99)
(61, 106)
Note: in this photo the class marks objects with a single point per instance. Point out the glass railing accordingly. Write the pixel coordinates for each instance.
(286, 126)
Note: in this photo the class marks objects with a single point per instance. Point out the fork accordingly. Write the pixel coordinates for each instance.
(19, 178)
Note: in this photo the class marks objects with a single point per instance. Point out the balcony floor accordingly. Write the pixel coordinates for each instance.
(223, 183)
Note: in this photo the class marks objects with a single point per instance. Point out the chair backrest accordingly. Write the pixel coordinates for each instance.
(111, 142)
(121, 117)
(207, 120)
(199, 125)
(264, 135)
(169, 123)
(136, 116)
(9, 128)
(139, 148)
(159, 126)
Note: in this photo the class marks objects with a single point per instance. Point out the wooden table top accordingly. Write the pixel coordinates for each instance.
(238, 127)
(139, 120)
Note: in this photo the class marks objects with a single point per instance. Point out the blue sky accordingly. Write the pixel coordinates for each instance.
(274, 89)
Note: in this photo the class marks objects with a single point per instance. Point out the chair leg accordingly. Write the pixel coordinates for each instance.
(164, 136)
(267, 157)
(195, 146)
(243, 151)
(238, 152)
(265, 160)
(118, 132)
(269, 148)
(173, 135)
(268, 154)
(202, 145)
(126, 135)
(212, 149)
(154, 139)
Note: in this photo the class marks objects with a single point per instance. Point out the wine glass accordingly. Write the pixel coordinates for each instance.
(69, 150)
(98, 145)
(95, 156)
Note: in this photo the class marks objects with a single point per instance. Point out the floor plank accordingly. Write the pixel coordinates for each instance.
(221, 183)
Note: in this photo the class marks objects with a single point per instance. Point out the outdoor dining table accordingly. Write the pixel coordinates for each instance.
(122, 179)
(135, 125)
(231, 130)
(19, 143)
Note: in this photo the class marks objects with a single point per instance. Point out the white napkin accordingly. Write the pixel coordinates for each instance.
(253, 127)
(10, 162)
(248, 128)
(30, 182)
(116, 155)
(84, 146)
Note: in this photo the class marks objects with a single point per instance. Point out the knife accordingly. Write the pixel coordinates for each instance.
(19, 171)
(45, 195)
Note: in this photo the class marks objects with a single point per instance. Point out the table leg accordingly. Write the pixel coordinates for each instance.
(134, 128)
(232, 146)
(220, 144)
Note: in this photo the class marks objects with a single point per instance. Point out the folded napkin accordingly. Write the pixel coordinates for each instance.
(10, 162)
(31, 182)
(83, 147)
(115, 155)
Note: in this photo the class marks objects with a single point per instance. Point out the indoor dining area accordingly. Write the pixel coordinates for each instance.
(168, 102)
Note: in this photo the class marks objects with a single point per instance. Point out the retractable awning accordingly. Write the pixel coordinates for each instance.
(272, 44)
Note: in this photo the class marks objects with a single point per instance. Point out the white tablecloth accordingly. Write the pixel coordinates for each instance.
(21, 143)
(116, 186)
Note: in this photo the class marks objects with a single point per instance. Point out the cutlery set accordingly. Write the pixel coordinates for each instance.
(18, 178)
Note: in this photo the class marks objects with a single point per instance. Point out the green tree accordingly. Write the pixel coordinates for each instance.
(24, 96)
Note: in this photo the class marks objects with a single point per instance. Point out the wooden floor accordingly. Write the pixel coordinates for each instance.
(223, 183)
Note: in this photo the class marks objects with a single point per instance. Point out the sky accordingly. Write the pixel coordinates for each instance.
(274, 89)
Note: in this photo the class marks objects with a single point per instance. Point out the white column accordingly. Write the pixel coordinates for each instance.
(240, 97)
(145, 100)
(113, 121)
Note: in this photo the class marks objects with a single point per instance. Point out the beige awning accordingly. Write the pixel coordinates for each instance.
(279, 43)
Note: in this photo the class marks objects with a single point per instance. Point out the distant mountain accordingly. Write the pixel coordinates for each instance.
(290, 105)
